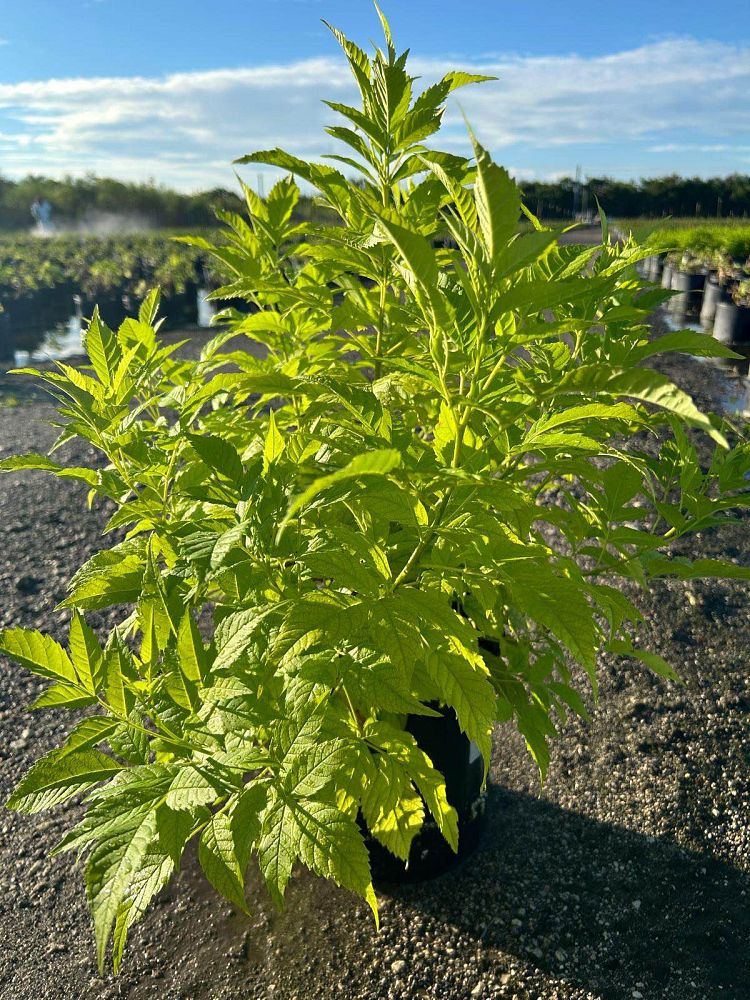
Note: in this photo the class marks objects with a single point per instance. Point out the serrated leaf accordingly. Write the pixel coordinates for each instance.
(372, 463)
(115, 868)
(111, 576)
(86, 654)
(226, 842)
(191, 651)
(149, 307)
(219, 455)
(657, 664)
(58, 776)
(154, 869)
(102, 348)
(39, 653)
(236, 634)
(392, 810)
(466, 688)
(323, 838)
(274, 443)
(498, 202)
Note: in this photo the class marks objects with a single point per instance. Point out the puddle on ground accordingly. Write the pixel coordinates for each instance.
(66, 341)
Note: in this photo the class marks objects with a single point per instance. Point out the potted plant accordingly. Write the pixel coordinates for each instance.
(688, 280)
(732, 322)
(417, 504)
(671, 262)
(721, 275)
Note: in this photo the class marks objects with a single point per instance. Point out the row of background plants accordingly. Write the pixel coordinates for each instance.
(43, 280)
(709, 269)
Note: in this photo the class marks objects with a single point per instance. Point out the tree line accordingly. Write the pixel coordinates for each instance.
(83, 201)
(655, 197)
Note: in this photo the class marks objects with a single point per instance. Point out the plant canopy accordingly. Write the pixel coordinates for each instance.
(447, 432)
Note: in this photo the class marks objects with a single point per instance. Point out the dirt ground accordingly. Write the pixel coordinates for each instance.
(627, 876)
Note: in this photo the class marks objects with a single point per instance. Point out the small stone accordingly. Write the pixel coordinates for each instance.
(637, 995)
(477, 991)
(398, 966)
(636, 904)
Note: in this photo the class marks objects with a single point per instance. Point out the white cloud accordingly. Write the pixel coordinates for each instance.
(185, 129)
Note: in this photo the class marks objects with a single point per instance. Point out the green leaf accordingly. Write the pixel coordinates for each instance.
(62, 695)
(117, 871)
(392, 810)
(690, 569)
(701, 345)
(88, 733)
(466, 688)
(191, 651)
(323, 838)
(149, 307)
(236, 634)
(219, 455)
(653, 387)
(420, 260)
(154, 869)
(59, 776)
(111, 576)
(559, 605)
(657, 664)
(498, 202)
(274, 444)
(371, 463)
(86, 654)
(401, 747)
(226, 842)
(40, 463)
(102, 348)
(39, 653)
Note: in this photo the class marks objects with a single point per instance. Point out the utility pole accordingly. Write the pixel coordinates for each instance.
(577, 192)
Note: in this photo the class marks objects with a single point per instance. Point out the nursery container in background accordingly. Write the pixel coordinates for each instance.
(689, 285)
(656, 269)
(713, 294)
(732, 323)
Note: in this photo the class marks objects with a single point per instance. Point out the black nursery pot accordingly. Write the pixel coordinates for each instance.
(690, 289)
(7, 343)
(713, 294)
(656, 269)
(732, 323)
(459, 760)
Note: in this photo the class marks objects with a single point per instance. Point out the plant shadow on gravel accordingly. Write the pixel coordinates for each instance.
(599, 907)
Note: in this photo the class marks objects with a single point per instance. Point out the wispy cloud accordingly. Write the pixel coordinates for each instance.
(184, 129)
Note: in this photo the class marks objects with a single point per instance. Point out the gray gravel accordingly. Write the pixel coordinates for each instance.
(628, 876)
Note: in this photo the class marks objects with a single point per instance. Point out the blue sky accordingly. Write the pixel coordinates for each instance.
(174, 89)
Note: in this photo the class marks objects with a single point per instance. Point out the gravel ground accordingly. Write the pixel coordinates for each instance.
(627, 876)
